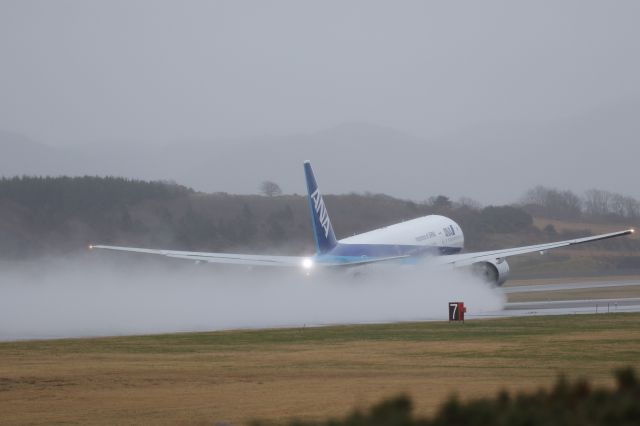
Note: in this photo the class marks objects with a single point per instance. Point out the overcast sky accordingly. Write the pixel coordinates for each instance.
(158, 72)
(86, 71)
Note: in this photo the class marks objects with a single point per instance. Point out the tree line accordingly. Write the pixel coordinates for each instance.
(44, 215)
(594, 205)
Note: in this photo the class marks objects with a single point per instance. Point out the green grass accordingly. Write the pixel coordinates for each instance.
(505, 330)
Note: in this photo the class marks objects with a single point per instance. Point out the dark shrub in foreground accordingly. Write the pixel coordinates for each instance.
(565, 404)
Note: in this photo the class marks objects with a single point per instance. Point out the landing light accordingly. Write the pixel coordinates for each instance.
(307, 263)
(90, 246)
(632, 230)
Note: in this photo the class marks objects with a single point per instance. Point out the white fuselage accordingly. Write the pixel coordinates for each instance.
(431, 231)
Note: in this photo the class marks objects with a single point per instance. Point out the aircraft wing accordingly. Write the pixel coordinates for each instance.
(252, 259)
(231, 258)
(465, 259)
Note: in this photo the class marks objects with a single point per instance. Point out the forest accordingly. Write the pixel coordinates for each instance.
(60, 215)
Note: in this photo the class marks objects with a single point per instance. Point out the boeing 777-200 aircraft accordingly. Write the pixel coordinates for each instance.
(437, 238)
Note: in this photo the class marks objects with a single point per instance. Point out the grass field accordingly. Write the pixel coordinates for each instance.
(236, 376)
(596, 228)
(576, 294)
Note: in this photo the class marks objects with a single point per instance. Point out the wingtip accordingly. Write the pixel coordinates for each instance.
(307, 162)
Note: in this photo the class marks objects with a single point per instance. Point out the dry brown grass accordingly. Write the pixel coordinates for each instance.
(577, 294)
(596, 228)
(280, 374)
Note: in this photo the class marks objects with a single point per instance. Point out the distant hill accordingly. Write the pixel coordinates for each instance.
(23, 156)
(493, 163)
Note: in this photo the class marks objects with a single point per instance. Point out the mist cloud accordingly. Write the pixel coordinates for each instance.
(77, 298)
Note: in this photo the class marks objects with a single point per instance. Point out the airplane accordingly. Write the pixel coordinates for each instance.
(435, 238)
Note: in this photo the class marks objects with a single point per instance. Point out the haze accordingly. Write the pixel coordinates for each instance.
(413, 99)
(88, 296)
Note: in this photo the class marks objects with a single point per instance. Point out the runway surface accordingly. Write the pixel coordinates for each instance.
(570, 286)
(564, 307)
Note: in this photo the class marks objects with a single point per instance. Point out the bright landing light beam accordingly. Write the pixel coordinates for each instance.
(307, 263)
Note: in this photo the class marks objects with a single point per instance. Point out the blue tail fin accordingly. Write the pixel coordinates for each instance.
(322, 229)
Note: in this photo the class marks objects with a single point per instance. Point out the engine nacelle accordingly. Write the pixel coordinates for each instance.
(494, 272)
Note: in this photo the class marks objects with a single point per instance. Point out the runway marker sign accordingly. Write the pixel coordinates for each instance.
(456, 311)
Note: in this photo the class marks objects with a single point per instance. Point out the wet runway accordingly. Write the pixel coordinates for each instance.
(564, 307)
(570, 286)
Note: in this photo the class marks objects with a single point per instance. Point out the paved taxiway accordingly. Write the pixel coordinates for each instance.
(563, 307)
(570, 286)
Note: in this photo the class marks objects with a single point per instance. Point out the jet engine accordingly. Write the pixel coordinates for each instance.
(495, 272)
